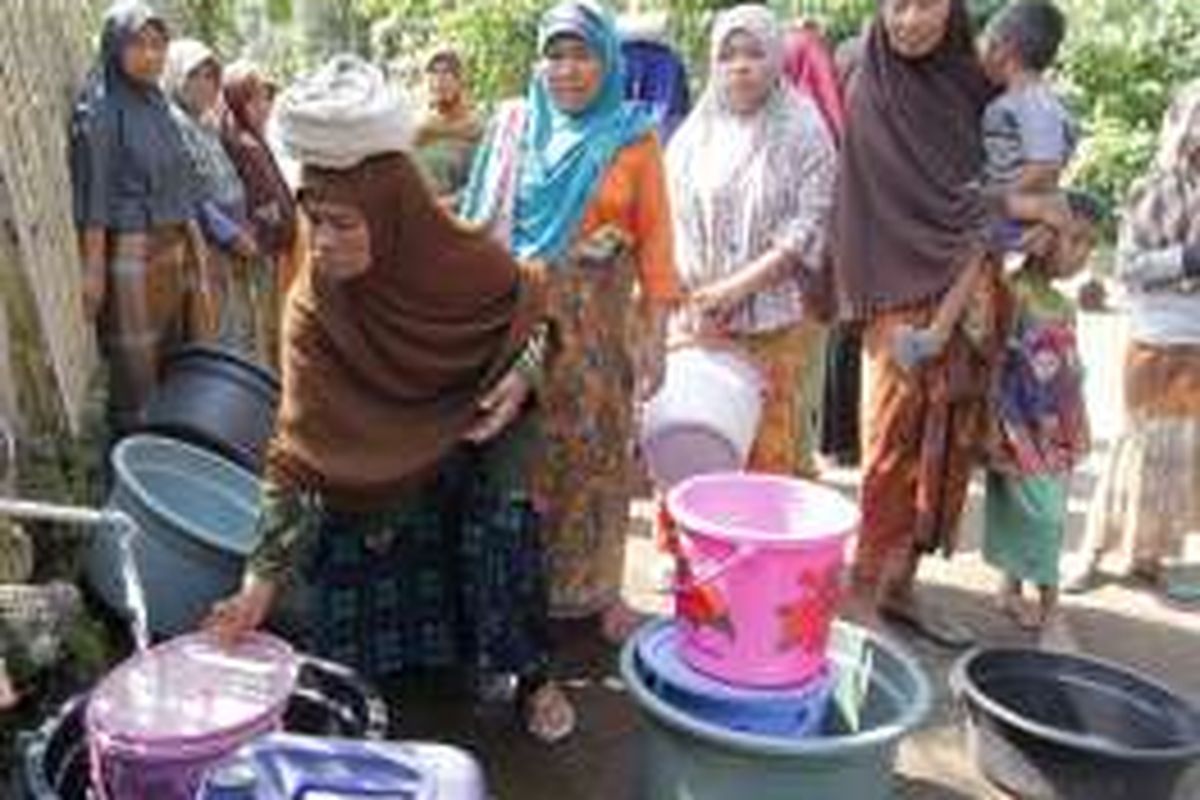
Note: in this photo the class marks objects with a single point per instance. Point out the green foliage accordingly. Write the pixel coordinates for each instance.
(211, 21)
(499, 41)
(1121, 63)
(497, 38)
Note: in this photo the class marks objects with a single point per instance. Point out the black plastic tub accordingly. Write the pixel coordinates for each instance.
(1056, 726)
(329, 700)
(218, 400)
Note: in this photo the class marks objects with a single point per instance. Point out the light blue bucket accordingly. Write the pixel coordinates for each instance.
(880, 696)
(196, 514)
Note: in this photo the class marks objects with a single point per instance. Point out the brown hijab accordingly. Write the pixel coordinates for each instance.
(382, 372)
(268, 197)
(909, 211)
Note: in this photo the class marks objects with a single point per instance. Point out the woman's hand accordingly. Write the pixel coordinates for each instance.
(239, 614)
(245, 246)
(500, 406)
(719, 298)
(95, 285)
(93, 249)
(1039, 240)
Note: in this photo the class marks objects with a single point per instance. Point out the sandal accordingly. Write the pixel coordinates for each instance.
(546, 712)
(942, 632)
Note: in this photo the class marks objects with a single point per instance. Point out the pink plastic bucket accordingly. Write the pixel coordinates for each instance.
(759, 571)
(158, 721)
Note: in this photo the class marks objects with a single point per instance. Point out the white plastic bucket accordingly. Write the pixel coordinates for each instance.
(705, 417)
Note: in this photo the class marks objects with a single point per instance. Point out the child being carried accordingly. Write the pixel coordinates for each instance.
(1029, 136)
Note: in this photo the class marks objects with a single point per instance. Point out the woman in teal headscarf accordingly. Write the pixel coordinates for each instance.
(573, 176)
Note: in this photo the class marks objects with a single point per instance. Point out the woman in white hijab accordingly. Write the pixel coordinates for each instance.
(751, 176)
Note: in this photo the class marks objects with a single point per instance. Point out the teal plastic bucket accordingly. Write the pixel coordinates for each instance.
(196, 515)
(880, 696)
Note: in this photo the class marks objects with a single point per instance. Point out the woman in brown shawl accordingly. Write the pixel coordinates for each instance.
(909, 217)
(395, 485)
(249, 97)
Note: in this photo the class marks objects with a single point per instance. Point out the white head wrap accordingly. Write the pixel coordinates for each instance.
(343, 113)
(184, 56)
(742, 183)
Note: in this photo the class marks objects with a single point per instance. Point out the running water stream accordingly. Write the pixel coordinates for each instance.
(109, 522)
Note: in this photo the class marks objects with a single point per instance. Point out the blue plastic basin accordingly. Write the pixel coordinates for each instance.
(880, 695)
(196, 513)
(794, 711)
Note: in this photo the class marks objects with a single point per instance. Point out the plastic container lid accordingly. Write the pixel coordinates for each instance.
(788, 711)
(190, 690)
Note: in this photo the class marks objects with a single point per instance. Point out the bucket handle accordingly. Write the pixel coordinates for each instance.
(668, 535)
(740, 554)
(377, 713)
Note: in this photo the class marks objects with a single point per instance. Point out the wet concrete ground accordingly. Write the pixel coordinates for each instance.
(1121, 622)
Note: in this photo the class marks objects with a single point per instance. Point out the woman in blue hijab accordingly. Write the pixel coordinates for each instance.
(572, 175)
(136, 196)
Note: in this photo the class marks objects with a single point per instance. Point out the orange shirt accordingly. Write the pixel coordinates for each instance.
(633, 197)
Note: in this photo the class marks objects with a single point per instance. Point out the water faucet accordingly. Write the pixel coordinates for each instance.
(112, 519)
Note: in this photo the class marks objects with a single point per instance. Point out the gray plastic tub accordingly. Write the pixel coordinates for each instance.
(196, 515)
(881, 695)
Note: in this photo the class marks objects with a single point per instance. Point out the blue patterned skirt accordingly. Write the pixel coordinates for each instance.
(454, 577)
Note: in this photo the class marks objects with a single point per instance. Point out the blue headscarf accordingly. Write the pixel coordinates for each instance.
(564, 156)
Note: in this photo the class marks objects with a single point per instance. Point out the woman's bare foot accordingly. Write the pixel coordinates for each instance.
(1013, 605)
(860, 608)
(1018, 610)
(548, 714)
(619, 621)
(1056, 633)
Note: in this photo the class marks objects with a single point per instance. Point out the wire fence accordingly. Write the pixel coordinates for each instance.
(45, 48)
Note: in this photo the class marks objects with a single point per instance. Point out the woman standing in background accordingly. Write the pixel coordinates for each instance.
(249, 97)
(751, 174)
(136, 195)
(570, 163)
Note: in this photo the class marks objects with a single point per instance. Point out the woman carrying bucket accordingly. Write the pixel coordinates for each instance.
(573, 176)
(908, 218)
(395, 485)
(751, 174)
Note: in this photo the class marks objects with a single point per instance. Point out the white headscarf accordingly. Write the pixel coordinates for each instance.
(342, 114)
(184, 56)
(744, 183)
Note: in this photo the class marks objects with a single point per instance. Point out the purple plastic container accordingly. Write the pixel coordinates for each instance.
(158, 721)
(796, 711)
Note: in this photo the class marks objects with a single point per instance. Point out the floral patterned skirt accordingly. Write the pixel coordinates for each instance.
(1148, 500)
